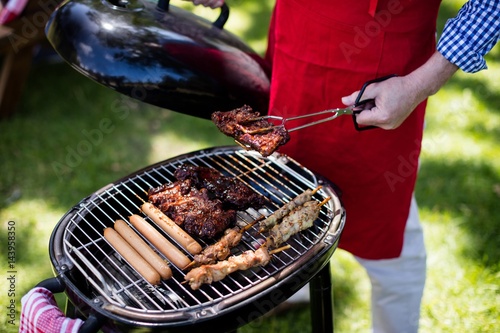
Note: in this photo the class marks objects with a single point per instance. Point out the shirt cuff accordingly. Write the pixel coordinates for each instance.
(470, 35)
(458, 52)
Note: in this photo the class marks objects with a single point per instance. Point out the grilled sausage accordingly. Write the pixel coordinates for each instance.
(161, 243)
(131, 256)
(143, 249)
(171, 228)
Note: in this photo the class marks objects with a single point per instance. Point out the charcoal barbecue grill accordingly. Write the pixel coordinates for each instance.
(108, 292)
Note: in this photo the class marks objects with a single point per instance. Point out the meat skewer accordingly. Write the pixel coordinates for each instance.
(207, 274)
(299, 219)
(222, 249)
(281, 212)
(217, 251)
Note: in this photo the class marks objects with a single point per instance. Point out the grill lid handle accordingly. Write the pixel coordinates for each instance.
(219, 23)
(55, 285)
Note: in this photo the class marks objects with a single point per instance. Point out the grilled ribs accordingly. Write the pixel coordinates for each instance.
(238, 122)
(192, 208)
(233, 193)
(203, 201)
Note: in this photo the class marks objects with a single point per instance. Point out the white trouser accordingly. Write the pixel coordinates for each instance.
(397, 284)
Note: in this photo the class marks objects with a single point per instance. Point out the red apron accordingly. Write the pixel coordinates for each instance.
(322, 50)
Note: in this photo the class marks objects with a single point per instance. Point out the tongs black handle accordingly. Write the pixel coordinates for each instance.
(359, 103)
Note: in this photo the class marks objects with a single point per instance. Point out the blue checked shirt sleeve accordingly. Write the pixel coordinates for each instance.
(471, 34)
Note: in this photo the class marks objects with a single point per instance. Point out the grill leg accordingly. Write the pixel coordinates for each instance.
(321, 290)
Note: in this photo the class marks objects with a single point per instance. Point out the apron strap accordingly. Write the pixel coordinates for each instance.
(373, 7)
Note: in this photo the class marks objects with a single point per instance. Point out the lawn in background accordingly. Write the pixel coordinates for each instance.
(458, 189)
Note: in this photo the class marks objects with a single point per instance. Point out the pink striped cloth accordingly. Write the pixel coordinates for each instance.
(40, 314)
(12, 10)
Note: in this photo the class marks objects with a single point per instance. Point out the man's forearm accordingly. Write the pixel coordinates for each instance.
(432, 75)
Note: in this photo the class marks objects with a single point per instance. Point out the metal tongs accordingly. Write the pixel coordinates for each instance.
(356, 108)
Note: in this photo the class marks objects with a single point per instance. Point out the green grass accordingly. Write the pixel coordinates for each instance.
(458, 189)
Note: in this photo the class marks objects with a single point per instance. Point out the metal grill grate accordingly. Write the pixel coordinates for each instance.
(114, 282)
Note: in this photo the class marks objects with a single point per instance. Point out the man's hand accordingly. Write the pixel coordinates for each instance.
(397, 97)
(208, 3)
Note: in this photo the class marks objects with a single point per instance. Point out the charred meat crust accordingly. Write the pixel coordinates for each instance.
(192, 209)
(233, 193)
(238, 122)
(203, 201)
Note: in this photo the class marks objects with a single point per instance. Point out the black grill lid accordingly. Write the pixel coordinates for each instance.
(160, 54)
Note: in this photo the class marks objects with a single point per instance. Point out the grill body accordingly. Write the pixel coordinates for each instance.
(105, 289)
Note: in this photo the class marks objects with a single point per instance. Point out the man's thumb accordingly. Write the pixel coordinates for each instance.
(349, 100)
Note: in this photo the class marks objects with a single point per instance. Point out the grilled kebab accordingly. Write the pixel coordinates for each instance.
(207, 274)
(281, 212)
(220, 250)
(241, 123)
(300, 218)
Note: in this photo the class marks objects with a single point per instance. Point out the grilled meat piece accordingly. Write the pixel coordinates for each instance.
(174, 190)
(229, 122)
(192, 208)
(216, 272)
(220, 250)
(233, 193)
(299, 219)
(280, 213)
(239, 123)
